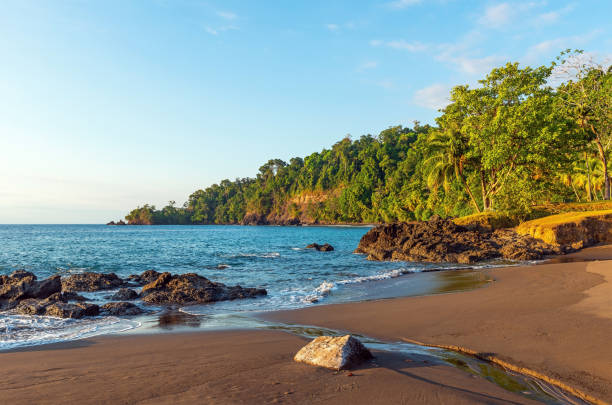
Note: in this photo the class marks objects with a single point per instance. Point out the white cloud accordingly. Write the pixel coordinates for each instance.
(464, 54)
(228, 15)
(434, 97)
(546, 48)
(399, 4)
(414, 46)
(553, 16)
(497, 16)
(211, 31)
(332, 27)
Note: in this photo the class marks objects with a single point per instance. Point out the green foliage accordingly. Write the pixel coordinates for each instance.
(510, 143)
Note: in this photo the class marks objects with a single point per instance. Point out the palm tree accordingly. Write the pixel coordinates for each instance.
(447, 160)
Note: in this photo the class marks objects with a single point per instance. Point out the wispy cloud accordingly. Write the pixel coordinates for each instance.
(228, 15)
(553, 16)
(464, 54)
(385, 84)
(332, 27)
(217, 31)
(368, 65)
(399, 4)
(434, 97)
(501, 15)
(401, 44)
(555, 45)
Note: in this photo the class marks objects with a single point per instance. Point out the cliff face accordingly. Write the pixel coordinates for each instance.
(579, 229)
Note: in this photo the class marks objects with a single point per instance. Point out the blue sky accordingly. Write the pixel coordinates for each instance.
(107, 105)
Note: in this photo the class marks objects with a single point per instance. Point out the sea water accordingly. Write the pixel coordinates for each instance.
(274, 258)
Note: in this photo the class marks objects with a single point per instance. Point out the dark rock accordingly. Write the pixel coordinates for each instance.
(441, 240)
(91, 282)
(120, 309)
(321, 248)
(145, 278)
(124, 294)
(191, 288)
(254, 219)
(120, 222)
(72, 296)
(22, 284)
(67, 310)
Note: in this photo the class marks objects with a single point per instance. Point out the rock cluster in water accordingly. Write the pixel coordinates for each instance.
(441, 240)
(326, 247)
(23, 293)
(336, 353)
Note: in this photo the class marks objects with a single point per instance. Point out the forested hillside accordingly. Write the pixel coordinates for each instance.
(510, 143)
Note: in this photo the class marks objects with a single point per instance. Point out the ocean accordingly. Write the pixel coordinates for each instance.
(268, 257)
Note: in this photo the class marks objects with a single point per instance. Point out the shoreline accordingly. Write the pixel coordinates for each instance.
(571, 353)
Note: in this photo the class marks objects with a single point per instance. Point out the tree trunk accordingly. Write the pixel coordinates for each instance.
(604, 162)
(483, 190)
(589, 189)
(467, 188)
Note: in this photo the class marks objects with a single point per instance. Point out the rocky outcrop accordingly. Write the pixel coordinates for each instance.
(91, 282)
(441, 240)
(326, 247)
(185, 289)
(56, 305)
(120, 222)
(124, 294)
(145, 277)
(120, 309)
(254, 219)
(22, 285)
(336, 353)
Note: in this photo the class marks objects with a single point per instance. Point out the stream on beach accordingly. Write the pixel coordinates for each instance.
(274, 258)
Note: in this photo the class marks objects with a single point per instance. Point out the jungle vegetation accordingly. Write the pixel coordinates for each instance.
(524, 136)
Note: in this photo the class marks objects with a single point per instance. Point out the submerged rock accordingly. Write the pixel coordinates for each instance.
(91, 282)
(336, 353)
(124, 294)
(441, 240)
(326, 247)
(120, 309)
(191, 288)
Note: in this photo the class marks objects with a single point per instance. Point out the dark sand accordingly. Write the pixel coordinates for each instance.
(554, 318)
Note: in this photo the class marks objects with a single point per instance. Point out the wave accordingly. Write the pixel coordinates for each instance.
(26, 330)
(326, 287)
(270, 255)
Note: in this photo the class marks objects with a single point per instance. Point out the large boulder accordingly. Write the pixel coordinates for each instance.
(120, 309)
(191, 288)
(441, 240)
(91, 282)
(326, 247)
(56, 305)
(336, 353)
(22, 285)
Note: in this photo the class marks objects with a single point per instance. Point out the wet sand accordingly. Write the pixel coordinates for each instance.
(553, 318)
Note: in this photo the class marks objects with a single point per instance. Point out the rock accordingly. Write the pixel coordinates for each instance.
(145, 278)
(191, 288)
(336, 353)
(124, 294)
(120, 222)
(72, 296)
(22, 285)
(441, 240)
(254, 219)
(321, 248)
(120, 309)
(91, 282)
(67, 310)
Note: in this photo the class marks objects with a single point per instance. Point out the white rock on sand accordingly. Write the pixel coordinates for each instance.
(336, 353)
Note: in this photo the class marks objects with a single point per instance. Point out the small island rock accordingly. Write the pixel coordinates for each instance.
(336, 353)
(326, 247)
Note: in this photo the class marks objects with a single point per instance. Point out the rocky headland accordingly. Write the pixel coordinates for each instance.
(441, 240)
(23, 293)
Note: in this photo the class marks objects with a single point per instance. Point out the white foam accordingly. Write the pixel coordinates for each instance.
(262, 255)
(326, 287)
(26, 330)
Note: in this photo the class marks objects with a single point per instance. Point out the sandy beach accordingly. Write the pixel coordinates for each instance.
(553, 318)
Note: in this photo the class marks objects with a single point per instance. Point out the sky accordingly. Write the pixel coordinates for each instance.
(107, 105)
